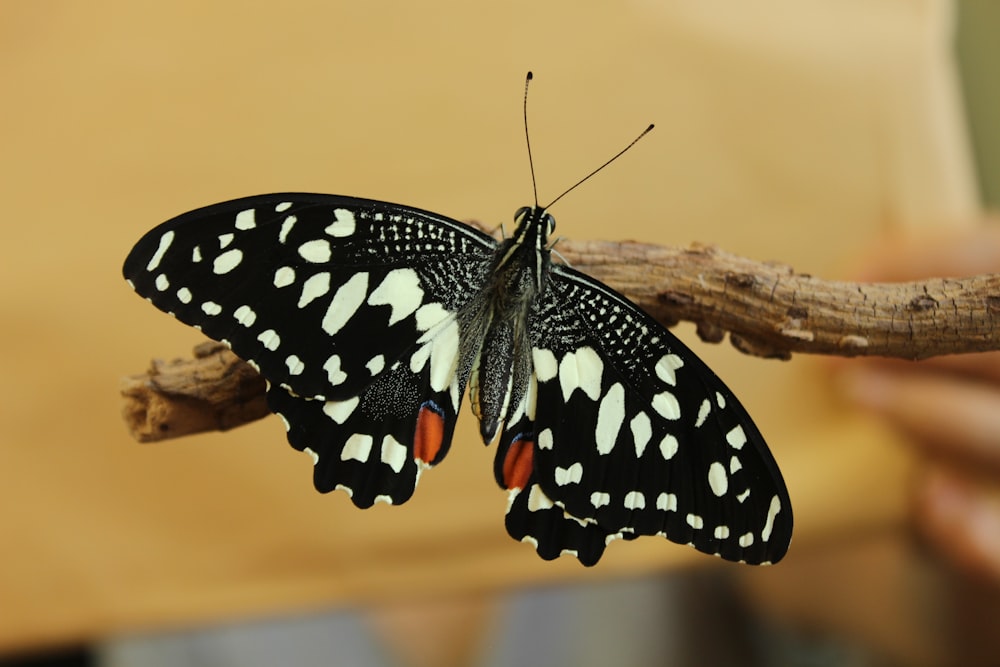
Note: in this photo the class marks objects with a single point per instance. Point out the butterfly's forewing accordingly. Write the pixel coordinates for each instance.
(347, 306)
(632, 434)
(315, 290)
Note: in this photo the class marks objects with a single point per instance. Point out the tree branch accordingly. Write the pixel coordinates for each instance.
(769, 310)
(215, 391)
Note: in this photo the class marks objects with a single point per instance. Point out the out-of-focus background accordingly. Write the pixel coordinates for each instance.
(787, 130)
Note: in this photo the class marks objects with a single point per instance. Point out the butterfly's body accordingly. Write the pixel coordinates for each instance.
(498, 317)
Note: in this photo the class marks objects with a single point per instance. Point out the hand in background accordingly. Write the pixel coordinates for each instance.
(947, 407)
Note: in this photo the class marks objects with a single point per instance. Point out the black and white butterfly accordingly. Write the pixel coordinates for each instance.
(370, 319)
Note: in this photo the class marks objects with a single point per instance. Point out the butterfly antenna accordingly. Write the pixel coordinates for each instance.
(613, 158)
(527, 137)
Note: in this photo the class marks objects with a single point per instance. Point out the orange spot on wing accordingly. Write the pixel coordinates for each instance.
(518, 464)
(429, 434)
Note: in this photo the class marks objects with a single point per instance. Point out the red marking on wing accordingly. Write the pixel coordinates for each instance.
(518, 464)
(429, 434)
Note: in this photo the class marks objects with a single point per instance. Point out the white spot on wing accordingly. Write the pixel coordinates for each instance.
(343, 225)
(227, 261)
(610, 415)
(284, 276)
(743, 496)
(694, 521)
(430, 315)
(641, 432)
(734, 465)
(245, 219)
(375, 364)
(772, 512)
(668, 447)
(531, 397)
(313, 288)
(666, 366)
(746, 540)
(400, 290)
(570, 475)
(634, 500)
(357, 447)
(345, 303)
(736, 437)
(537, 500)
(286, 228)
(313, 455)
(703, 411)
(161, 282)
(545, 439)
(225, 239)
(393, 453)
(316, 251)
(666, 502)
(721, 532)
(245, 315)
(440, 347)
(270, 339)
(196, 254)
(581, 369)
(545, 364)
(666, 404)
(599, 499)
(165, 241)
(717, 479)
(211, 308)
(333, 372)
(339, 411)
(184, 295)
(294, 364)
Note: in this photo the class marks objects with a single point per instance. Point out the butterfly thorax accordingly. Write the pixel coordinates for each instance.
(498, 316)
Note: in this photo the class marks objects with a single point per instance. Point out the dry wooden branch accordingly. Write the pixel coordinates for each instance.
(215, 391)
(768, 309)
(772, 311)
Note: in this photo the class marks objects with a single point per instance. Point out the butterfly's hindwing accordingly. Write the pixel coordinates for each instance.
(634, 435)
(374, 445)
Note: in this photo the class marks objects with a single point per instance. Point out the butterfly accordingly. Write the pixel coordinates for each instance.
(371, 321)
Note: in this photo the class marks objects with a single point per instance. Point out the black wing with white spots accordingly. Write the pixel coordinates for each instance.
(346, 306)
(629, 433)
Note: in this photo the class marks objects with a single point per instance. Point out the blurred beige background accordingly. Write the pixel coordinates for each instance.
(786, 129)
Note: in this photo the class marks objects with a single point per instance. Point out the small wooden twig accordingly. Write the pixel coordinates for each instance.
(768, 309)
(215, 391)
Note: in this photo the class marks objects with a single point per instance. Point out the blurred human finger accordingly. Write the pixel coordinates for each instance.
(984, 366)
(952, 253)
(947, 415)
(961, 518)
